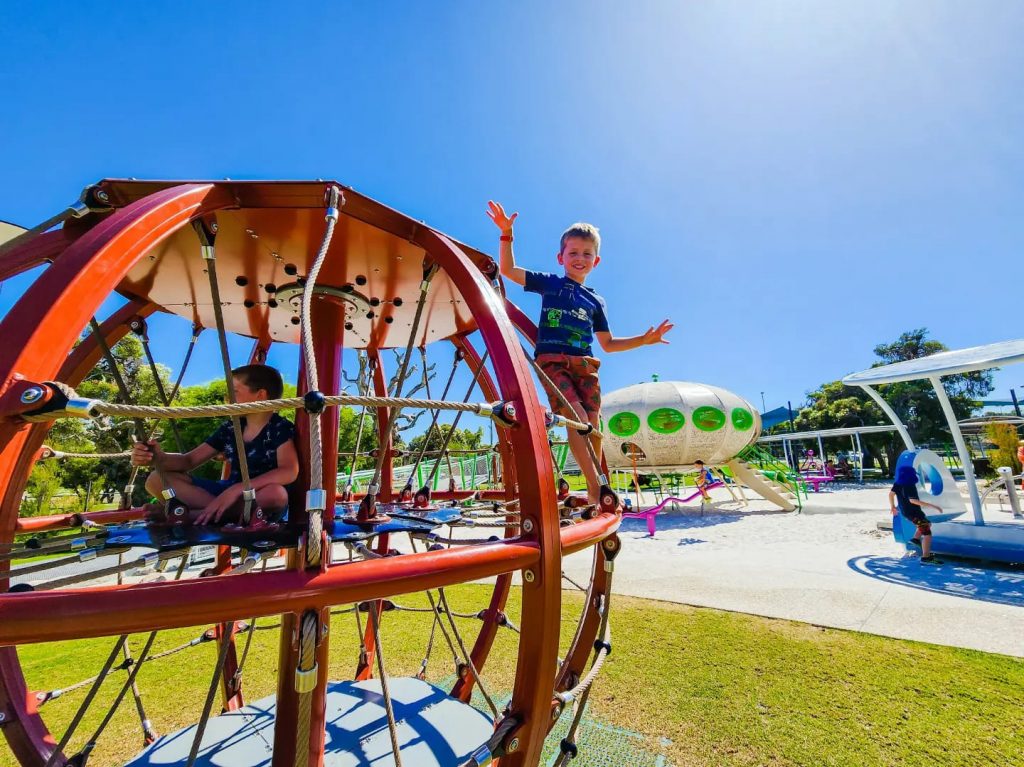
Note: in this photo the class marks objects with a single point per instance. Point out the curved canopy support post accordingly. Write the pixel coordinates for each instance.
(892, 415)
(961, 448)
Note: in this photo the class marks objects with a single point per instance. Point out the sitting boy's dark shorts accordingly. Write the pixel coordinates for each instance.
(577, 380)
(217, 486)
(917, 517)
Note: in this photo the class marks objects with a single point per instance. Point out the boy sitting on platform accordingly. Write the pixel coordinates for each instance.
(571, 315)
(270, 453)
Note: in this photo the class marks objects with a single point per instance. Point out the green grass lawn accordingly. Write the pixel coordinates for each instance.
(723, 688)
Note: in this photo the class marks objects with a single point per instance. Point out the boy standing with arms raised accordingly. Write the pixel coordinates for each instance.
(571, 316)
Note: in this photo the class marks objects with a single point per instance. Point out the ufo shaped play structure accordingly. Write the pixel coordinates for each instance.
(664, 427)
(323, 267)
(954, 531)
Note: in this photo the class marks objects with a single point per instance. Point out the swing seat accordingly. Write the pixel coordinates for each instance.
(434, 730)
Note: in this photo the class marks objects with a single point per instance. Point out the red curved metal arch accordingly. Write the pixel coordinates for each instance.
(463, 689)
(24, 728)
(92, 266)
(538, 646)
(45, 323)
(41, 249)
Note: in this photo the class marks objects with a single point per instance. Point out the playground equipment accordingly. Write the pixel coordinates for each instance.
(321, 266)
(953, 531)
(662, 427)
(649, 515)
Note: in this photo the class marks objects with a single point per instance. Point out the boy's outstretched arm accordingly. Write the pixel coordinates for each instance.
(506, 259)
(623, 344)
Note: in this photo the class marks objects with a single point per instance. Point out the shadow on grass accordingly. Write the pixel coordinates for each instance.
(986, 584)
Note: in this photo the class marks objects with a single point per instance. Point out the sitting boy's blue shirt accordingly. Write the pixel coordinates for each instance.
(570, 314)
(260, 453)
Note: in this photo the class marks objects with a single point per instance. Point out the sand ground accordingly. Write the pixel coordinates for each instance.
(829, 565)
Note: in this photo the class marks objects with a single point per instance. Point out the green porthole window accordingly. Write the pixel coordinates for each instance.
(624, 424)
(666, 420)
(742, 419)
(708, 418)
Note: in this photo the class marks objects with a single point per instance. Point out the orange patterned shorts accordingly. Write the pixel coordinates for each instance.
(576, 378)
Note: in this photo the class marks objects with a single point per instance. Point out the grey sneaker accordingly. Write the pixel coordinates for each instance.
(930, 560)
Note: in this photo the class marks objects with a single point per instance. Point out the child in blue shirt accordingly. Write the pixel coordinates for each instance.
(572, 315)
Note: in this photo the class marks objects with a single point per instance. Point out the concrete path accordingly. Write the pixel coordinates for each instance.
(829, 565)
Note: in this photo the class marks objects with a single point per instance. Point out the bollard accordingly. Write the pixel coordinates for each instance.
(1011, 490)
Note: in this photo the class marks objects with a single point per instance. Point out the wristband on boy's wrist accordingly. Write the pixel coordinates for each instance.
(506, 237)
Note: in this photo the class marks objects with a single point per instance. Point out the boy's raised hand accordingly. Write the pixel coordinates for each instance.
(657, 335)
(497, 214)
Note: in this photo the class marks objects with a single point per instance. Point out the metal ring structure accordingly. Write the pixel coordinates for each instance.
(88, 262)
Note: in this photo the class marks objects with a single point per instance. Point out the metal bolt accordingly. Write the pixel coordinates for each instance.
(31, 394)
(529, 576)
(527, 525)
(513, 746)
(213, 226)
(102, 197)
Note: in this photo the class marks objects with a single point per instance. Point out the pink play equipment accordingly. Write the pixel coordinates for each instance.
(822, 475)
(651, 513)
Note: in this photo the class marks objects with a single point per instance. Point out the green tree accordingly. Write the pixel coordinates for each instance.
(462, 439)
(834, 405)
(1004, 437)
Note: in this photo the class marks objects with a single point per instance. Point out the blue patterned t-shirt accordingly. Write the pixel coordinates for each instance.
(570, 314)
(260, 453)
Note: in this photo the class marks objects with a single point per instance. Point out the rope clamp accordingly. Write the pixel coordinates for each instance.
(502, 412)
(150, 559)
(481, 756)
(54, 400)
(78, 543)
(87, 555)
(316, 500)
(167, 493)
(207, 252)
(249, 494)
(332, 213)
(305, 681)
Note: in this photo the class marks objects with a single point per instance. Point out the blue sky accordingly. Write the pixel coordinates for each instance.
(790, 182)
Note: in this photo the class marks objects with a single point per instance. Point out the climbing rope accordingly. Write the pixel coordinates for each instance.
(305, 683)
(141, 433)
(435, 413)
(466, 656)
(209, 254)
(225, 644)
(140, 329)
(316, 498)
(602, 649)
(385, 692)
(84, 706)
(392, 422)
(52, 453)
(455, 422)
(364, 386)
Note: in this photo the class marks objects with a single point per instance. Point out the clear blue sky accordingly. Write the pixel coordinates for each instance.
(790, 182)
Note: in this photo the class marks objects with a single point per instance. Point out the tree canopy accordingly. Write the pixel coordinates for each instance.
(834, 405)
